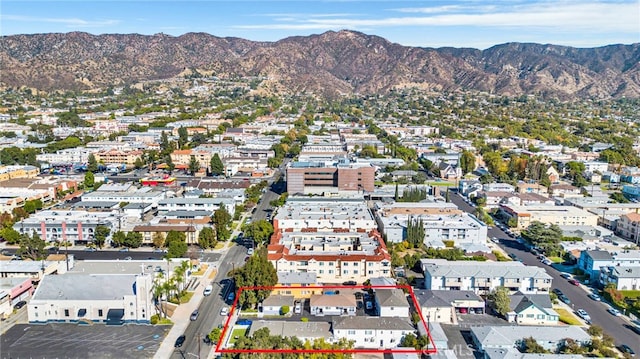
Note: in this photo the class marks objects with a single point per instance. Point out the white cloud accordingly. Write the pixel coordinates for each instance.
(70, 22)
(595, 17)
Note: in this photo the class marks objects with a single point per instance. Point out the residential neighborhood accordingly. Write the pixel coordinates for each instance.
(214, 235)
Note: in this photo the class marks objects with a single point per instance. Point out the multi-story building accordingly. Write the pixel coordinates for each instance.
(145, 195)
(195, 204)
(319, 177)
(560, 215)
(482, 277)
(66, 156)
(76, 227)
(117, 156)
(335, 238)
(591, 262)
(441, 222)
(621, 277)
(628, 227)
(300, 214)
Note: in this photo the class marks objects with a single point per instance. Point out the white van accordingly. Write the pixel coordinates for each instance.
(207, 290)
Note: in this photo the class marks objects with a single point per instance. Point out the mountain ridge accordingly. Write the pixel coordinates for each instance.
(331, 63)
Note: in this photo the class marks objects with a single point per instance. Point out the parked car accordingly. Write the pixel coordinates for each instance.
(368, 305)
(207, 340)
(19, 305)
(547, 262)
(627, 349)
(564, 299)
(614, 311)
(594, 297)
(231, 296)
(224, 311)
(557, 291)
(194, 315)
(566, 275)
(250, 251)
(181, 339)
(124, 249)
(574, 282)
(207, 290)
(583, 314)
(297, 308)
(350, 282)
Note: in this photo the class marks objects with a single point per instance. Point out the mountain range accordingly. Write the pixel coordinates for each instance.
(331, 63)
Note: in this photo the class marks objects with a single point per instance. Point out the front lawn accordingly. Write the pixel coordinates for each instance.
(236, 334)
(567, 317)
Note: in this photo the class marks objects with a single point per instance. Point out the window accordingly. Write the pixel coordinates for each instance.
(321, 271)
(66, 312)
(351, 332)
(355, 271)
(330, 271)
(530, 315)
(99, 312)
(345, 272)
(368, 332)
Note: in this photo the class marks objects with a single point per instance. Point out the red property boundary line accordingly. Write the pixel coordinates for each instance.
(430, 349)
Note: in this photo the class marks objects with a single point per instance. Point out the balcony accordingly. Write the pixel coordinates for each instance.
(453, 282)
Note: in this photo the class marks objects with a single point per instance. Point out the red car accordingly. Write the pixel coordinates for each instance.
(574, 282)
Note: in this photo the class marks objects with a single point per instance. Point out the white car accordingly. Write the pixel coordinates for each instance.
(614, 311)
(583, 314)
(250, 251)
(224, 311)
(207, 290)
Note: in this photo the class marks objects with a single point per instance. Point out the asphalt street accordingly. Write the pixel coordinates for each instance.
(617, 327)
(209, 309)
(211, 305)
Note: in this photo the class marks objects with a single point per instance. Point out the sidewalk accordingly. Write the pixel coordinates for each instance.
(181, 316)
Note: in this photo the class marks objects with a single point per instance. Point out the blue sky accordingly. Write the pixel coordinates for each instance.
(465, 23)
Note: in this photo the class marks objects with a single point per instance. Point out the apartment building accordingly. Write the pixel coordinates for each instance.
(117, 156)
(334, 238)
(482, 277)
(441, 222)
(560, 215)
(628, 227)
(76, 227)
(621, 277)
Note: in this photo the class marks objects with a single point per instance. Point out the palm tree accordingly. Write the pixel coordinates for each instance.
(157, 290)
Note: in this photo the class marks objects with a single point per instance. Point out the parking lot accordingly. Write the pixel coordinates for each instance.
(86, 341)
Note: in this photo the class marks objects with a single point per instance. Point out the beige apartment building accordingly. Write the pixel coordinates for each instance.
(547, 214)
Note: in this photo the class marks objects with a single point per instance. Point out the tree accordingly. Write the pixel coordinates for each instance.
(31, 247)
(259, 231)
(176, 244)
(170, 165)
(118, 239)
(501, 300)
(133, 240)
(221, 220)
(138, 164)
(207, 238)
(158, 239)
(217, 167)
(467, 162)
(10, 235)
(530, 345)
(89, 180)
(194, 165)
(92, 163)
(257, 272)
(183, 137)
(100, 235)
(595, 330)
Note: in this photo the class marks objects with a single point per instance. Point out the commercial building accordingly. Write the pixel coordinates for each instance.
(100, 298)
(482, 277)
(333, 176)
